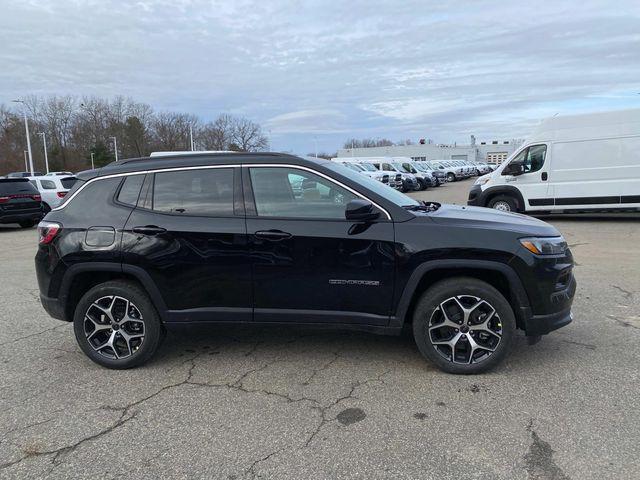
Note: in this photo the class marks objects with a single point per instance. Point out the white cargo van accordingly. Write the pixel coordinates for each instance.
(571, 163)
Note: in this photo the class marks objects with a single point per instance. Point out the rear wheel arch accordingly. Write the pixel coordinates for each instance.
(499, 275)
(81, 278)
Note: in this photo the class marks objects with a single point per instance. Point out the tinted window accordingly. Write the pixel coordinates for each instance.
(289, 192)
(194, 192)
(9, 187)
(68, 182)
(130, 189)
(48, 184)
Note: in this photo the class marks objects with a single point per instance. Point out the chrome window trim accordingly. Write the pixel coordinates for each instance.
(206, 167)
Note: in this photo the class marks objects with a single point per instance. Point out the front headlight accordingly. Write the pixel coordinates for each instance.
(545, 245)
(482, 180)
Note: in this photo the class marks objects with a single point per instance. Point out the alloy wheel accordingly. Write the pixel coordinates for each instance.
(114, 327)
(465, 329)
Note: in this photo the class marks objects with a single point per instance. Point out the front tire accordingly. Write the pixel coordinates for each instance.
(451, 177)
(504, 203)
(116, 325)
(463, 325)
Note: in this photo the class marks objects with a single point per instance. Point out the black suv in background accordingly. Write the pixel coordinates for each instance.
(275, 239)
(20, 202)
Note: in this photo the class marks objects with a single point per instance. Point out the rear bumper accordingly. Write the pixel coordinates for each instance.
(53, 307)
(21, 217)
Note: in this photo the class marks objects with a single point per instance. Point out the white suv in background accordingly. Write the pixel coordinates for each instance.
(52, 189)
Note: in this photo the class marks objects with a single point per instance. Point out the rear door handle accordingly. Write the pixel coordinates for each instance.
(272, 235)
(149, 230)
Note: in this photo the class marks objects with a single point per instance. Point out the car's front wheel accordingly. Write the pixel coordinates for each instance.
(116, 325)
(503, 203)
(451, 177)
(463, 325)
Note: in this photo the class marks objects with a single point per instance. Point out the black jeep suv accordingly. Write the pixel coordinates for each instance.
(269, 238)
(20, 202)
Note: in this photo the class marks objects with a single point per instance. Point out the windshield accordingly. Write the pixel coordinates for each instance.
(420, 166)
(376, 187)
(368, 167)
(402, 168)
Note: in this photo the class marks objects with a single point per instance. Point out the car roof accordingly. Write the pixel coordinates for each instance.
(194, 159)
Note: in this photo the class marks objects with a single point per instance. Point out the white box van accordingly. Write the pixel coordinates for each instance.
(571, 163)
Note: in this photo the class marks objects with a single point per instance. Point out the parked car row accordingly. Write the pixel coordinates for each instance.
(401, 173)
(25, 199)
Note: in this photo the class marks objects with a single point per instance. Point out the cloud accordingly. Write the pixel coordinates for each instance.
(333, 69)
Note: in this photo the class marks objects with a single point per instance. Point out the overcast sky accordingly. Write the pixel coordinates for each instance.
(333, 69)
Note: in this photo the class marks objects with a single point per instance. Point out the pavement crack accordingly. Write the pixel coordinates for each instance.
(31, 335)
(539, 460)
(623, 322)
(321, 369)
(626, 293)
(252, 469)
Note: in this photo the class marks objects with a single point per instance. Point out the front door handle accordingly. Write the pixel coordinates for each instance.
(544, 176)
(272, 235)
(148, 230)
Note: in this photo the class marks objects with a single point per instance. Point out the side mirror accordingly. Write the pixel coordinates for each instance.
(514, 168)
(359, 210)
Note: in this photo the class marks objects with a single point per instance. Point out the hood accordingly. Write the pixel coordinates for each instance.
(488, 218)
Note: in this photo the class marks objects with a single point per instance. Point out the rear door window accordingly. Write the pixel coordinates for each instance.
(130, 189)
(203, 192)
(48, 184)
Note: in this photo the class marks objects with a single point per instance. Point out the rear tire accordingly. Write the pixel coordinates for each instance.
(45, 208)
(451, 177)
(116, 325)
(481, 335)
(504, 203)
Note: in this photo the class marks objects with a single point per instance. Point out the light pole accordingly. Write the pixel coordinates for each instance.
(92, 165)
(191, 137)
(26, 168)
(115, 146)
(44, 143)
(26, 129)
(315, 140)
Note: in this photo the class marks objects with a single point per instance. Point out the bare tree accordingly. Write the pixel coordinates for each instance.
(248, 136)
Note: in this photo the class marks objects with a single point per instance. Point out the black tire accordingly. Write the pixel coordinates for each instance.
(152, 326)
(45, 208)
(504, 203)
(27, 223)
(463, 288)
(451, 177)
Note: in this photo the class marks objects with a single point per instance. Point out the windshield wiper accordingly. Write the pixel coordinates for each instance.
(423, 207)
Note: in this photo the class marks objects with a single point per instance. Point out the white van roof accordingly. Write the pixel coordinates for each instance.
(588, 126)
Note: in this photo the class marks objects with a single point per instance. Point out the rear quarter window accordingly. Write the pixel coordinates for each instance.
(68, 182)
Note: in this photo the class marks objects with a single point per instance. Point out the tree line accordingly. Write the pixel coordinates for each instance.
(75, 127)
(374, 142)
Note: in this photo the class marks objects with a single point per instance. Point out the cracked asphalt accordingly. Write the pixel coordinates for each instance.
(258, 402)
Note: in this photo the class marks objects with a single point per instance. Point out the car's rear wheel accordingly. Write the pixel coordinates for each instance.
(451, 177)
(463, 325)
(504, 203)
(45, 208)
(116, 325)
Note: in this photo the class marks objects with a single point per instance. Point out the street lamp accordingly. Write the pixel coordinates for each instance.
(115, 146)
(44, 143)
(26, 129)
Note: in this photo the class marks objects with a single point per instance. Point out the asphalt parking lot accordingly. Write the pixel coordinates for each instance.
(281, 403)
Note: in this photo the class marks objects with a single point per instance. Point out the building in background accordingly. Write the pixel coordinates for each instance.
(493, 152)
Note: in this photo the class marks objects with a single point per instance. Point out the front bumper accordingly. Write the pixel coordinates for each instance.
(53, 307)
(475, 195)
(558, 314)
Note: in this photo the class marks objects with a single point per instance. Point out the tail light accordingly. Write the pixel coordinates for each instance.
(61, 194)
(47, 231)
(4, 199)
(37, 198)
